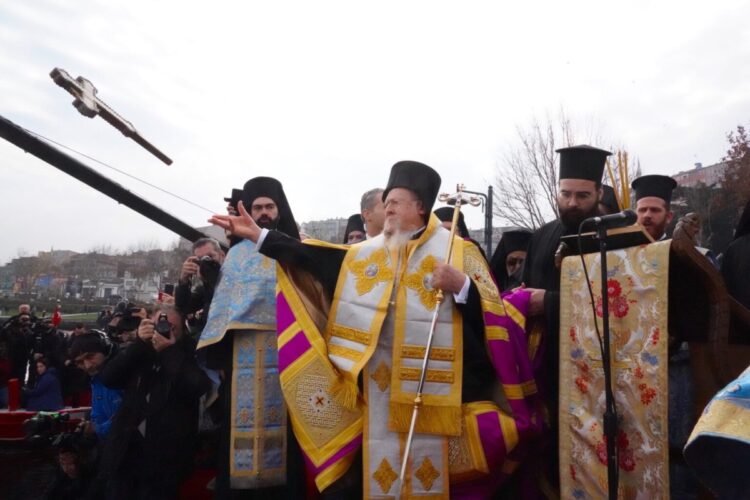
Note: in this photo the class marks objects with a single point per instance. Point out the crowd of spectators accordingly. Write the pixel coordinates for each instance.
(139, 375)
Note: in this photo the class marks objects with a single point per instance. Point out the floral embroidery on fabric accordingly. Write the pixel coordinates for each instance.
(647, 393)
(638, 296)
(655, 336)
(625, 456)
(370, 271)
(572, 334)
(619, 304)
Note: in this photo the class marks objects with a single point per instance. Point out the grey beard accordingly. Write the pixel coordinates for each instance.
(395, 238)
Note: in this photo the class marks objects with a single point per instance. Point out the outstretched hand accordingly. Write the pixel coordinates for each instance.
(241, 225)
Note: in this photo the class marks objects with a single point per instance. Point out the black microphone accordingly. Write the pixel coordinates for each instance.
(620, 219)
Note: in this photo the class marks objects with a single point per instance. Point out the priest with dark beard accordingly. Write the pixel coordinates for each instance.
(579, 192)
(258, 457)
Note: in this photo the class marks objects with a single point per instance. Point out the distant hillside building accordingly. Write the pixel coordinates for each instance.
(710, 175)
(330, 230)
(212, 231)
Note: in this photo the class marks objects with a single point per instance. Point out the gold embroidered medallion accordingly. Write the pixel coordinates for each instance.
(370, 271)
(421, 282)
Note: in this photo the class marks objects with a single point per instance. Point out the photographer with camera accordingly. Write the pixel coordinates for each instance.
(75, 381)
(193, 299)
(149, 450)
(123, 326)
(90, 352)
(17, 336)
(45, 343)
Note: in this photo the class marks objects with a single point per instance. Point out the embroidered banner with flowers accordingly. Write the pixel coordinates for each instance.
(637, 283)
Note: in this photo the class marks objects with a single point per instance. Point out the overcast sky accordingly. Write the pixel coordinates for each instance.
(326, 96)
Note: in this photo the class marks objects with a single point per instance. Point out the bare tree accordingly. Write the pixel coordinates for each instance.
(526, 179)
(525, 193)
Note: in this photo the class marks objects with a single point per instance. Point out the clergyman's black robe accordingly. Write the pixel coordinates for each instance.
(540, 272)
(736, 269)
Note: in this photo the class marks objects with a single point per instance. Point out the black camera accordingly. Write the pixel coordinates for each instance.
(53, 428)
(42, 428)
(163, 327)
(130, 320)
(209, 269)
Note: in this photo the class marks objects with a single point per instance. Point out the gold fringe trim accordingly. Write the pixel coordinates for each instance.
(440, 420)
(345, 392)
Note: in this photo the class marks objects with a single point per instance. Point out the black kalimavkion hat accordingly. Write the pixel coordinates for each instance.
(445, 214)
(582, 162)
(660, 186)
(235, 197)
(271, 188)
(353, 224)
(416, 177)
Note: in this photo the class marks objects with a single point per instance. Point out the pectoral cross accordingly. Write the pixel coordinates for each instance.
(88, 104)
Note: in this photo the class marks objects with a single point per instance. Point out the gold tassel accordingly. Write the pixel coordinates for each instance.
(345, 392)
(440, 420)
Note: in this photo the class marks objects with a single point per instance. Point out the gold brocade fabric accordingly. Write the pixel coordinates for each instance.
(637, 286)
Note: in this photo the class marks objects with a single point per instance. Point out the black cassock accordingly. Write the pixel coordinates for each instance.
(736, 270)
(324, 263)
(540, 272)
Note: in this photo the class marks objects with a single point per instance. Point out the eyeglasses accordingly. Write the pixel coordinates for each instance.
(395, 202)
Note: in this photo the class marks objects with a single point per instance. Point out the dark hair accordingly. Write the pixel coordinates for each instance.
(88, 342)
(206, 241)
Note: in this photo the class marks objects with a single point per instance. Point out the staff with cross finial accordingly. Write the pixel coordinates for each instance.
(88, 104)
(458, 199)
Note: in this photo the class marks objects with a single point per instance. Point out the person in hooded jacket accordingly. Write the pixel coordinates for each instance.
(46, 394)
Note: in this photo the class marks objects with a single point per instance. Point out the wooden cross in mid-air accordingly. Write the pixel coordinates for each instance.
(88, 104)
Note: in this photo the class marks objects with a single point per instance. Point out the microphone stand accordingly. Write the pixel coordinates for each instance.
(610, 412)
